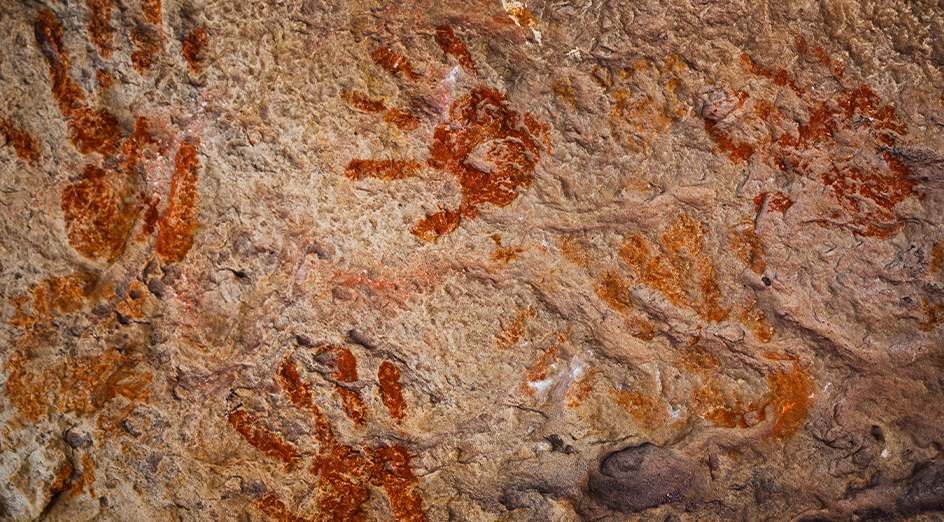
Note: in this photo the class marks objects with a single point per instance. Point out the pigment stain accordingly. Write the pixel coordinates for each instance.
(299, 393)
(393, 62)
(510, 335)
(682, 271)
(540, 370)
(389, 378)
(100, 208)
(756, 321)
(820, 56)
(437, 225)
(175, 237)
(88, 383)
(574, 252)
(105, 80)
(643, 407)
(645, 100)
(152, 11)
(83, 386)
(775, 201)
(388, 170)
(865, 185)
(61, 483)
(262, 439)
(361, 101)
(272, 506)
(779, 77)
(25, 146)
(390, 470)
(615, 291)
(404, 121)
(50, 299)
(519, 14)
(788, 398)
(452, 45)
(506, 254)
(193, 46)
(679, 267)
(582, 390)
(697, 359)
(86, 479)
(92, 131)
(99, 26)
(746, 244)
(736, 151)
(937, 258)
(99, 211)
(345, 372)
(933, 316)
(565, 91)
(147, 41)
(727, 412)
(132, 150)
(800, 43)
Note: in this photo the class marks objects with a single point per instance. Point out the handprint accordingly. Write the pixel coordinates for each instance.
(105, 207)
(488, 147)
(847, 142)
(102, 207)
(101, 210)
(344, 473)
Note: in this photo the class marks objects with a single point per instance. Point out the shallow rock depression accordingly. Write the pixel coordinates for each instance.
(481, 260)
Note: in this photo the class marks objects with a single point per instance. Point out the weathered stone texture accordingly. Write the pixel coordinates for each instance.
(471, 260)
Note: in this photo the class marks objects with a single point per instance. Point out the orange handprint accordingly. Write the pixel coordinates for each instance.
(488, 147)
(344, 473)
(101, 208)
(848, 142)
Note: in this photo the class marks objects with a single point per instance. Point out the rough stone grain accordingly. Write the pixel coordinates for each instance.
(471, 260)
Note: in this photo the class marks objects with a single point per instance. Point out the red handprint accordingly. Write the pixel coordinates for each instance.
(488, 147)
(101, 208)
(344, 473)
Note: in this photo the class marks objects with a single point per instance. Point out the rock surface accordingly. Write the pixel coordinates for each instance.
(643, 477)
(471, 260)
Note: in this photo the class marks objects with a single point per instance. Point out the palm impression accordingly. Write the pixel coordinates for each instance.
(345, 475)
(102, 206)
(488, 147)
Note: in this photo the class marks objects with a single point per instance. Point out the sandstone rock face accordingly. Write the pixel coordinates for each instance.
(471, 260)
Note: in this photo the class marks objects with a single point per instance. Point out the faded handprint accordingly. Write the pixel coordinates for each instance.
(101, 209)
(848, 142)
(344, 473)
(488, 147)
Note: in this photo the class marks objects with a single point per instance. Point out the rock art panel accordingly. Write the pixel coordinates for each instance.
(497, 260)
